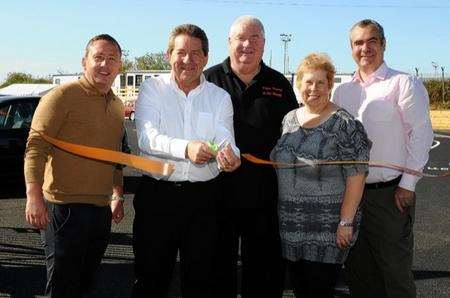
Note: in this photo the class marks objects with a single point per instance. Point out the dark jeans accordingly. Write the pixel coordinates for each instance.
(263, 268)
(170, 217)
(379, 265)
(313, 279)
(74, 244)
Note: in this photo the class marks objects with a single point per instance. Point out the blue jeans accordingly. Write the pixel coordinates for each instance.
(74, 243)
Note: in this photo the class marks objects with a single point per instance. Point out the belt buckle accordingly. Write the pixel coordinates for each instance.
(178, 184)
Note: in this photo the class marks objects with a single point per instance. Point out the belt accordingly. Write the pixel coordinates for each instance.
(167, 183)
(177, 183)
(390, 183)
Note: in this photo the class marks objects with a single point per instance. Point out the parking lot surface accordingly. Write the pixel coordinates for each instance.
(22, 270)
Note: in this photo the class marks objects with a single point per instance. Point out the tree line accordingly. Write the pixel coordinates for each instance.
(24, 78)
(439, 93)
(148, 61)
(438, 90)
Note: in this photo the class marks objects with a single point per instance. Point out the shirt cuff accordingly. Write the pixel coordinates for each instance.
(236, 151)
(178, 148)
(409, 182)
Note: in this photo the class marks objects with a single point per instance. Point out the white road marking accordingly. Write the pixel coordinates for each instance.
(437, 135)
(438, 169)
(435, 144)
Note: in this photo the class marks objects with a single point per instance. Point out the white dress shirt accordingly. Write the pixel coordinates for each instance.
(167, 119)
(393, 107)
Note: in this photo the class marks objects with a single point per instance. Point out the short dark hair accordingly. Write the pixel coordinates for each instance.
(369, 22)
(189, 30)
(105, 37)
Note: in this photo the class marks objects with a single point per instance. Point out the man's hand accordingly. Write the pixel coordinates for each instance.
(199, 152)
(403, 198)
(227, 160)
(117, 210)
(344, 236)
(36, 211)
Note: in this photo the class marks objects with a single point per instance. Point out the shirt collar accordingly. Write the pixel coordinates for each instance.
(174, 84)
(226, 64)
(92, 91)
(380, 74)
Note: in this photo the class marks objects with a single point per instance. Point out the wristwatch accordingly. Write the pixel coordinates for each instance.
(345, 223)
(116, 197)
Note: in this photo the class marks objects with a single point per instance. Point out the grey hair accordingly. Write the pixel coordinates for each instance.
(369, 22)
(247, 19)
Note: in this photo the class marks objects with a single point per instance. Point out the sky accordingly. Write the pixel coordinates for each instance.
(46, 37)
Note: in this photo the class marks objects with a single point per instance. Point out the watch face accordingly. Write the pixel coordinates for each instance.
(345, 223)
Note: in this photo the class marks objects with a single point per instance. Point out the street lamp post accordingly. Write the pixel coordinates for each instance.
(435, 65)
(285, 38)
(443, 84)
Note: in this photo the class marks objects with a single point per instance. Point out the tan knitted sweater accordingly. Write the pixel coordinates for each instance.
(77, 113)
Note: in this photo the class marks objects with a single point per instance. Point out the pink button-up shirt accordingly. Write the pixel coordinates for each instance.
(393, 107)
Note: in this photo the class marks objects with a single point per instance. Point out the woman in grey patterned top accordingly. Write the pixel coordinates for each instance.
(318, 205)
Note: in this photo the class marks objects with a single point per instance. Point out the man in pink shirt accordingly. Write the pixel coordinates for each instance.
(393, 107)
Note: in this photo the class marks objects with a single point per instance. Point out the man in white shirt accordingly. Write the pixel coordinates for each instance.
(393, 107)
(181, 119)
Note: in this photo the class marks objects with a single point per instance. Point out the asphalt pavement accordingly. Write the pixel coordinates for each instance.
(22, 270)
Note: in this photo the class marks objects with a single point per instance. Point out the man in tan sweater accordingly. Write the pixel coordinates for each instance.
(68, 196)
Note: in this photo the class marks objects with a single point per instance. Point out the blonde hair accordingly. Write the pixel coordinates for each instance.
(316, 61)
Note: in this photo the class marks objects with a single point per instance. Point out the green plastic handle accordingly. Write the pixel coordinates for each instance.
(213, 146)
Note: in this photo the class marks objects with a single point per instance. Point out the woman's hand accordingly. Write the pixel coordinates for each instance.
(117, 210)
(344, 236)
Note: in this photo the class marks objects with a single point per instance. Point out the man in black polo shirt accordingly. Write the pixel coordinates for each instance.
(261, 97)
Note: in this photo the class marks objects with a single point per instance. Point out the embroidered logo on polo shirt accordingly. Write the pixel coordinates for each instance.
(272, 91)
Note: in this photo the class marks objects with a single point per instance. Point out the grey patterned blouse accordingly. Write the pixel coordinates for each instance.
(310, 197)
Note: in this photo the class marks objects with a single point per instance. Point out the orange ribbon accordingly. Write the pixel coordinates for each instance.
(256, 160)
(137, 162)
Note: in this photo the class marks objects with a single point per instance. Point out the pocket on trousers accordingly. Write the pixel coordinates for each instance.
(410, 218)
(408, 226)
(60, 216)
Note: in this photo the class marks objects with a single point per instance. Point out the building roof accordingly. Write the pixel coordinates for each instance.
(27, 89)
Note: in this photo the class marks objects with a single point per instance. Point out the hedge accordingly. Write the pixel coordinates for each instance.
(434, 88)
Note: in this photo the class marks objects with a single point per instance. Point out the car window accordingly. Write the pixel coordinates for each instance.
(4, 111)
(17, 115)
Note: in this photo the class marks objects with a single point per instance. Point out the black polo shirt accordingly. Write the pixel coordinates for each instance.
(259, 109)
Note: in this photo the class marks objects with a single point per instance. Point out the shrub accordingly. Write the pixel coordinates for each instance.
(434, 88)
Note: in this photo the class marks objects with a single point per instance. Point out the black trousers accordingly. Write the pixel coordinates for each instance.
(313, 279)
(263, 268)
(379, 264)
(170, 217)
(74, 244)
